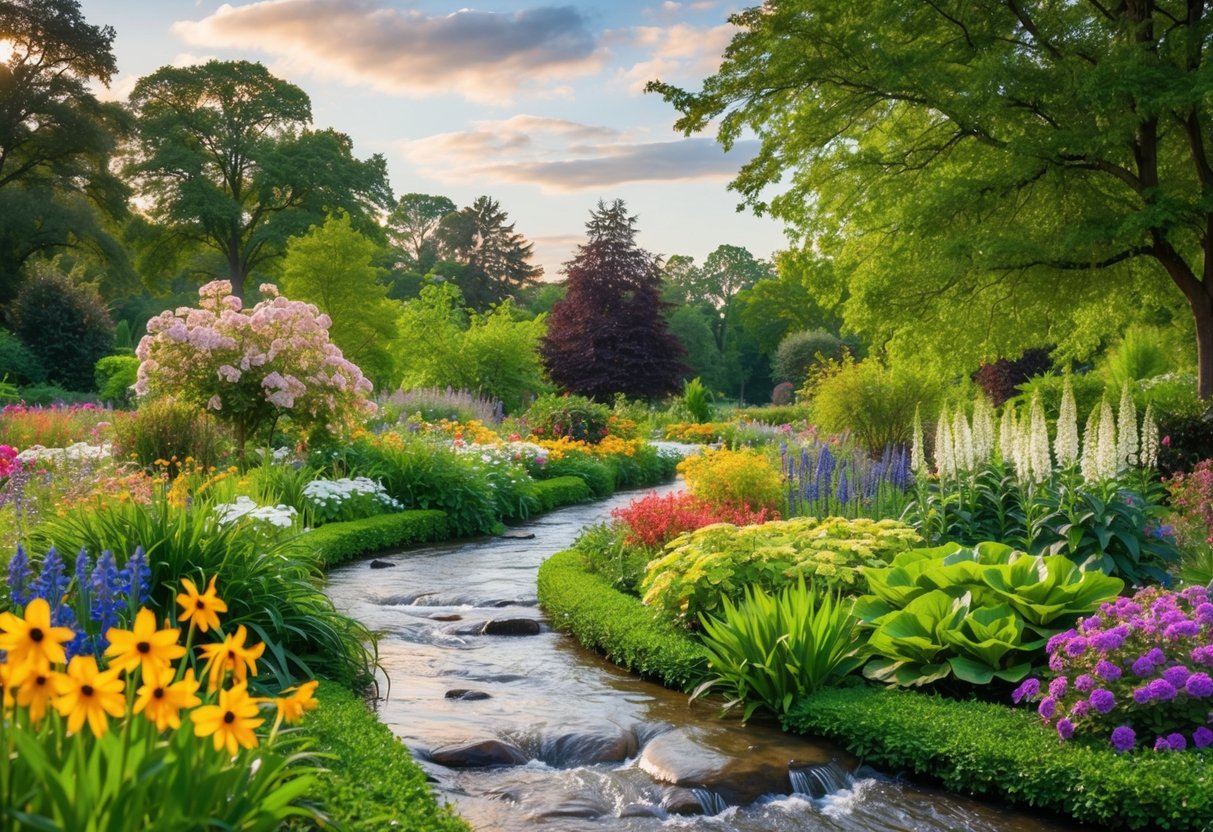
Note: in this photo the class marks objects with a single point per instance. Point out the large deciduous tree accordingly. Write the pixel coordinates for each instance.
(56, 138)
(609, 335)
(985, 175)
(495, 259)
(412, 226)
(227, 160)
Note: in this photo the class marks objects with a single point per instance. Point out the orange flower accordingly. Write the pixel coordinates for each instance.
(200, 609)
(231, 656)
(161, 700)
(292, 708)
(143, 646)
(85, 692)
(33, 640)
(231, 722)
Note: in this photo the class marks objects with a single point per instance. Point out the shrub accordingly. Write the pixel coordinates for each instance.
(697, 400)
(560, 491)
(52, 394)
(345, 499)
(616, 625)
(775, 414)
(701, 568)
(654, 520)
(18, 364)
(743, 478)
(976, 614)
(252, 366)
(65, 326)
(1192, 520)
(576, 417)
(1143, 353)
(597, 474)
(783, 394)
(336, 543)
(1186, 440)
(1138, 672)
(799, 352)
(772, 650)
(115, 378)
(999, 379)
(874, 404)
(171, 430)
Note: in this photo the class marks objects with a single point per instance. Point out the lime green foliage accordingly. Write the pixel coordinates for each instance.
(994, 751)
(976, 614)
(559, 491)
(873, 403)
(332, 266)
(372, 782)
(1146, 352)
(702, 568)
(697, 400)
(335, 543)
(773, 649)
(551, 417)
(115, 376)
(1089, 389)
(615, 624)
(742, 478)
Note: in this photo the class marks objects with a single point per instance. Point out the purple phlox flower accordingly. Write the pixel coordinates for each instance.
(1156, 656)
(1177, 675)
(1123, 738)
(1162, 690)
(1080, 709)
(1199, 686)
(1047, 707)
(1126, 608)
(1028, 689)
(1162, 604)
(1202, 737)
(1089, 624)
(18, 574)
(1171, 742)
(1104, 669)
(1107, 608)
(1195, 594)
(1065, 728)
(1076, 646)
(1058, 687)
(1109, 640)
(1202, 655)
(1182, 629)
(1171, 617)
(1142, 695)
(1103, 700)
(1057, 663)
(1143, 667)
(1058, 641)
(1084, 683)
(1204, 613)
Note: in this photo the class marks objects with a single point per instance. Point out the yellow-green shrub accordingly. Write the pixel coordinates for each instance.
(744, 477)
(702, 567)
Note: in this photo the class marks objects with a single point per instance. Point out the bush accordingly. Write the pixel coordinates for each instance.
(1192, 521)
(702, 568)
(616, 625)
(775, 414)
(874, 404)
(697, 400)
(18, 364)
(52, 394)
(999, 379)
(772, 650)
(654, 520)
(597, 474)
(737, 479)
(990, 750)
(335, 543)
(799, 352)
(560, 491)
(1143, 353)
(639, 466)
(1123, 676)
(65, 326)
(783, 394)
(435, 405)
(576, 417)
(1186, 441)
(171, 430)
(115, 378)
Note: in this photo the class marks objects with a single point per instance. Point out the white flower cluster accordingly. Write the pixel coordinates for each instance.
(72, 453)
(332, 493)
(280, 515)
(505, 453)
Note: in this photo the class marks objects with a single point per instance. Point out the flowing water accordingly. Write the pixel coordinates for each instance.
(531, 732)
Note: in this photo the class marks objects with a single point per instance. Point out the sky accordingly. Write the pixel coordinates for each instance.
(539, 106)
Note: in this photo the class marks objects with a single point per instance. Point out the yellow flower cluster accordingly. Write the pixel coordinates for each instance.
(692, 432)
(609, 446)
(37, 676)
(194, 480)
(744, 477)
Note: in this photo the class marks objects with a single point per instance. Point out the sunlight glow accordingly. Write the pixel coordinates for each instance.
(6, 50)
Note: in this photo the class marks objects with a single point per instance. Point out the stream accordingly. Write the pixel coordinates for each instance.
(525, 730)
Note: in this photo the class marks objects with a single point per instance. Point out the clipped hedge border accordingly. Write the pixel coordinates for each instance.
(335, 543)
(992, 750)
(372, 782)
(617, 625)
(560, 491)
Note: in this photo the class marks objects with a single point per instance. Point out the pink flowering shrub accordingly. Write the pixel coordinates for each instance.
(252, 366)
(1140, 672)
(1192, 501)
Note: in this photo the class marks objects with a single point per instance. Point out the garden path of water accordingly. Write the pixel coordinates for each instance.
(577, 728)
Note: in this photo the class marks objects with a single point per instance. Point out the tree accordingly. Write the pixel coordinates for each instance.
(333, 267)
(775, 307)
(494, 256)
(412, 225)
(609, 334)
(693, 330)
(727, 271)
(227, 162)
(65, 326)
(56, 138)
(985, 176)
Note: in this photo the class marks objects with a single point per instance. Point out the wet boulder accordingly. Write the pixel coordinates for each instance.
(510, 627)
(585, 748)
(478, 754)
(466, 695)
(381, 564)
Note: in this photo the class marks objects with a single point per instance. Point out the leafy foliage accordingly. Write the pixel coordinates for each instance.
(744, 478)
(18, 364)
(65, 326)
(115, 377)
(800, 351)
(873, 403)
(335, 543)
(1000, 379)
(697, 400)
(495, 259)
(578, 418)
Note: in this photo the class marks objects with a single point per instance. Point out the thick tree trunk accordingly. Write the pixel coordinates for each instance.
(235, 267)
(1202, 310)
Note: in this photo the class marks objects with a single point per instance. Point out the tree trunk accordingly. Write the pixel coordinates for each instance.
(235, 268)
(1202, 310)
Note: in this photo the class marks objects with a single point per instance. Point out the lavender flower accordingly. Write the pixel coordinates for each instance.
(106, 586)
(1103, 700)
(1123, 738)
(1199, 686)
(1029, 689)
(52, 582)
(136, 578)
(18, 574)
(1202, 737)
(844, 494)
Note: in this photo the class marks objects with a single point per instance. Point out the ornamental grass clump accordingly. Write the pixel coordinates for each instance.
(129, 738)
(1138, 674)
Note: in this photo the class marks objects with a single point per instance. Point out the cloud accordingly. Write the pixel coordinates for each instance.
(560, 155)
(484, 56)
(679, 52)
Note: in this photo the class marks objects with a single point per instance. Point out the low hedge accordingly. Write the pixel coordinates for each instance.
(996, 751)
(372, 782)
(560, 491)
(335, 543)
(617, 625)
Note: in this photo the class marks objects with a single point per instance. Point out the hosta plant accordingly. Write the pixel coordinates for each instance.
(772, 649)
(1137, 674)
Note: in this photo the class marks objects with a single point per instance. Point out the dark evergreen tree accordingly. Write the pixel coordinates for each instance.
(495, 259)
(608, 335)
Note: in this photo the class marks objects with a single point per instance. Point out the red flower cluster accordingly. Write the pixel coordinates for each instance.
(654, 520)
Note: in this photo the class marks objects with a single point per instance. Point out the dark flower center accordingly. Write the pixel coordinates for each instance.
(201, 604)
(86, 690)
(36, 635)
(158, 693)
(231, 654)
(143, 647)
(229, 718)
(40, 680)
